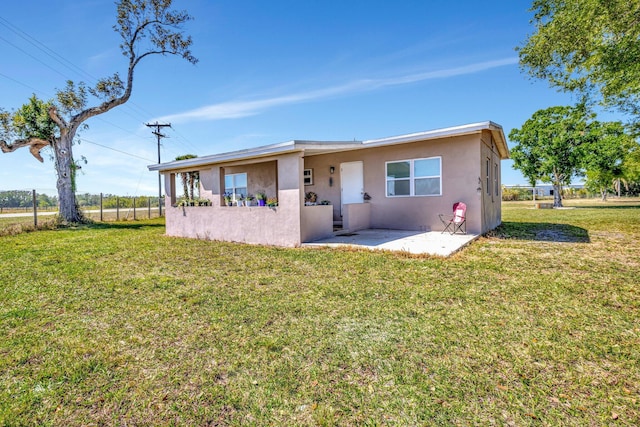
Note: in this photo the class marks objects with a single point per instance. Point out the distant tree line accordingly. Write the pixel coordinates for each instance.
(24, 199)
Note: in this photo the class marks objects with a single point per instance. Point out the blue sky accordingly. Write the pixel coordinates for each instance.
(269, 72)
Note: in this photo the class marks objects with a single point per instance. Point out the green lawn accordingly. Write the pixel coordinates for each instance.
(116, 324)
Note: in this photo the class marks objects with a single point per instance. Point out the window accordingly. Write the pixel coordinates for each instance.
(488, 171)
(235, 184)
(495, 179)
(417, 177)
(308, 176)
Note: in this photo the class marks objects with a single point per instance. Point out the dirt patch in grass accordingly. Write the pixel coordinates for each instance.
(544, 232)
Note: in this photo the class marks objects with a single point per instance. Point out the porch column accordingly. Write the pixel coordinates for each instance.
(169, 189)
(290, 195)
(213, 184)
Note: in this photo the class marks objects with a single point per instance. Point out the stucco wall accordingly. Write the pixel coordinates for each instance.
(356, 216)
(260, 225)
(491, 199)
(460, 174)
(317, 222)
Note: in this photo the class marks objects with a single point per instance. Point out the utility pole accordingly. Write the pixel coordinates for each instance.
(159, 135)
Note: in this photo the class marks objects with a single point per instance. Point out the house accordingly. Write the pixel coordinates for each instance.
(401, 182)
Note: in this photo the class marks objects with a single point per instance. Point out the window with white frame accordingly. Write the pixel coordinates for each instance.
(236, 185)
(488, 171)
(495, 179)
(415, 177)
(308, 176)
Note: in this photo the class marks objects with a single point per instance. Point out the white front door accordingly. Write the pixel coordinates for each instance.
(351, 183)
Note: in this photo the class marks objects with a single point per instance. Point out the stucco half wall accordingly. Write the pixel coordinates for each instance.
(283, 225)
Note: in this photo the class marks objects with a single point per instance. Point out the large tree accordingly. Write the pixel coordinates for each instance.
(607, 156)
(549, 146)
(591, 47)
(147, 27)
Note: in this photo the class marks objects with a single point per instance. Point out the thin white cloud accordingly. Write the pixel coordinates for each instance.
(238, 109)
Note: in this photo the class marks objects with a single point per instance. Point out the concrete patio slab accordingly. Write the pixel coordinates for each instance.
(415, 242)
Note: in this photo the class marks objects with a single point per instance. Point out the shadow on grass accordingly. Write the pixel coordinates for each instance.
(635, 206)
(542, 232)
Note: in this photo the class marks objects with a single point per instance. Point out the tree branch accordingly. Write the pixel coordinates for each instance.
(134, 24)
(34, 144)
(59, 120)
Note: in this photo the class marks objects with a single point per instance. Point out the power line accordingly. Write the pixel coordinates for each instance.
(115, 149)
(60, 59)
(25, 85)
(187, 143)
(45, 49)
(130, 106)
(33, 57)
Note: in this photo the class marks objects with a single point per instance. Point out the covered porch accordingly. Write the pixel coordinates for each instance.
(235, 215)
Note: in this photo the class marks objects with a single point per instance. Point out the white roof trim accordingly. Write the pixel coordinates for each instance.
(437, 133)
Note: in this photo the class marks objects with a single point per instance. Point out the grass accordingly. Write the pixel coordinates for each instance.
(16, 225)
(116, 324)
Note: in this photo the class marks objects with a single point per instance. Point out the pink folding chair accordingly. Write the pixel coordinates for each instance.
(457, 221)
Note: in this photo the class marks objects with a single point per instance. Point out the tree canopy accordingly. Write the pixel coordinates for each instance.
(146, 27)
(559, 143)
(606, 157)
(549, 146)
(588, 46)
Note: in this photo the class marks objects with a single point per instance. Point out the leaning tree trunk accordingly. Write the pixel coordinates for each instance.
(66, 171)
(603, 194)
(557, 179)
(557, 195)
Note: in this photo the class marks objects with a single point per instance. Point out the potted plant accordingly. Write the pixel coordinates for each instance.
(239, 199)
(261, 197)
(228, 199)
(272, 202)
(248, 200)
(310, 198)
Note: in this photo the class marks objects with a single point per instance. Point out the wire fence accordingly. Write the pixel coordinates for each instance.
(17, 211)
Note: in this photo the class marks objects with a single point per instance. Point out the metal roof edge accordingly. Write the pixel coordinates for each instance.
(430, 134)
(223, 157)
(302, 145)
(443, 133)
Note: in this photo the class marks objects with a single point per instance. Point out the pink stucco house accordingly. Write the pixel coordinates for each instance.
(401, 182)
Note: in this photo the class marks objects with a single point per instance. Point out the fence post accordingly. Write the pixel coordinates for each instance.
(134, 209)
(117, 208)
(35, 210)
(101, 217)
(149, 203)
